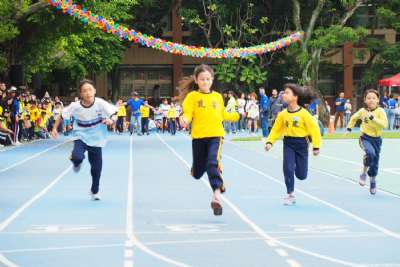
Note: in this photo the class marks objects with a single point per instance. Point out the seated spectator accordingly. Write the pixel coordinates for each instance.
(41, 129)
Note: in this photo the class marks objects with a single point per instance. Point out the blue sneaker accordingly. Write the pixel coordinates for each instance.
(372, 187)
(363, 179)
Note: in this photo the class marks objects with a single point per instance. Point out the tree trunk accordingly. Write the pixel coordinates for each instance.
(115, 87)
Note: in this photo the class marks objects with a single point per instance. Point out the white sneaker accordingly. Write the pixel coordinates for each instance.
(95, 197)
(289, 200)
(18, 143)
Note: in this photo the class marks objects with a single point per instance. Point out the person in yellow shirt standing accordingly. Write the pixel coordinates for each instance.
(205, 110)
(145, 112)
(299, 129)
(171, 115)
(121, 115)
(373, 121)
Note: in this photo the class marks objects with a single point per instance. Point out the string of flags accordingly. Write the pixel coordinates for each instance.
(124, 33)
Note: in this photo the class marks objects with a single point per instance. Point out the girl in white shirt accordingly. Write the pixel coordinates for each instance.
(253, 113)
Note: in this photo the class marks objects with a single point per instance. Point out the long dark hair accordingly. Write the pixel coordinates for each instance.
(304, 94)
(187, 84)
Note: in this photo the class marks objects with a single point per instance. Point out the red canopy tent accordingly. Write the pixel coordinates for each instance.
(391, 81)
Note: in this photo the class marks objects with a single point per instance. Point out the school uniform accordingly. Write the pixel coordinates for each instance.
(206, 112)
(121, 116)
(90, 134)
(299, 129)
(371, 136)
(145, 112)
(171, 115)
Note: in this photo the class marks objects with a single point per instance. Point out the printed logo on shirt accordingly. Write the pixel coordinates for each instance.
(200, 104)
(296, 121)
(214, 104)
(99, 113)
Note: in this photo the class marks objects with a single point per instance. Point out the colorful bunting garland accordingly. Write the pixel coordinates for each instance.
(108, 25)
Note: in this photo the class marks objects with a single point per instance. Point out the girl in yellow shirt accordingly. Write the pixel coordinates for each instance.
(299, 128)
(373, 121)
(205, 110)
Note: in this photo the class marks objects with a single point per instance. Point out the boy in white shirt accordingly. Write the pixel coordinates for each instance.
(91, 116)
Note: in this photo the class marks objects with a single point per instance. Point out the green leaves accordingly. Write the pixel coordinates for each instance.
(228, 30)
(335, 35)
(226, 71)
(247, 72)
(48, 40)
(252, 75)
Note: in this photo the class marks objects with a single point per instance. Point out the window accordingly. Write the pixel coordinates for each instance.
(143, 80)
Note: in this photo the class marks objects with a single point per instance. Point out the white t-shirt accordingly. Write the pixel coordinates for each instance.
(88, 125)
(178, 109)
(253, 111)
(230, 106)
(241, 104)
(165, 109)
(158, 114)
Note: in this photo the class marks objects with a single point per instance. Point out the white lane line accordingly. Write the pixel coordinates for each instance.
(12, 217)
(388, 170)
(129, 217)
(128, 243)
(128, 253)
(200, 241)
(278, 235)
(241, 215)
(32, 157)
(383, 265)
(152, 243)
(293, 263)
(27, 204)
(23, 145)
(258, 229)
(337, 177)
(7, 262)
(349, 180)
(281, 252)
(326, 203)
(79, 247)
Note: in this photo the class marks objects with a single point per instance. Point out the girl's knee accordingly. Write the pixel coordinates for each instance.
(196, 175)
(301, 175)
(77, 158)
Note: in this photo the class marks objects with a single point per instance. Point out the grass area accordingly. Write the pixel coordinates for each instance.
(356, 135)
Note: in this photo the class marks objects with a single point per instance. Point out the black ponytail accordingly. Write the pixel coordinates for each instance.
(304, 94)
